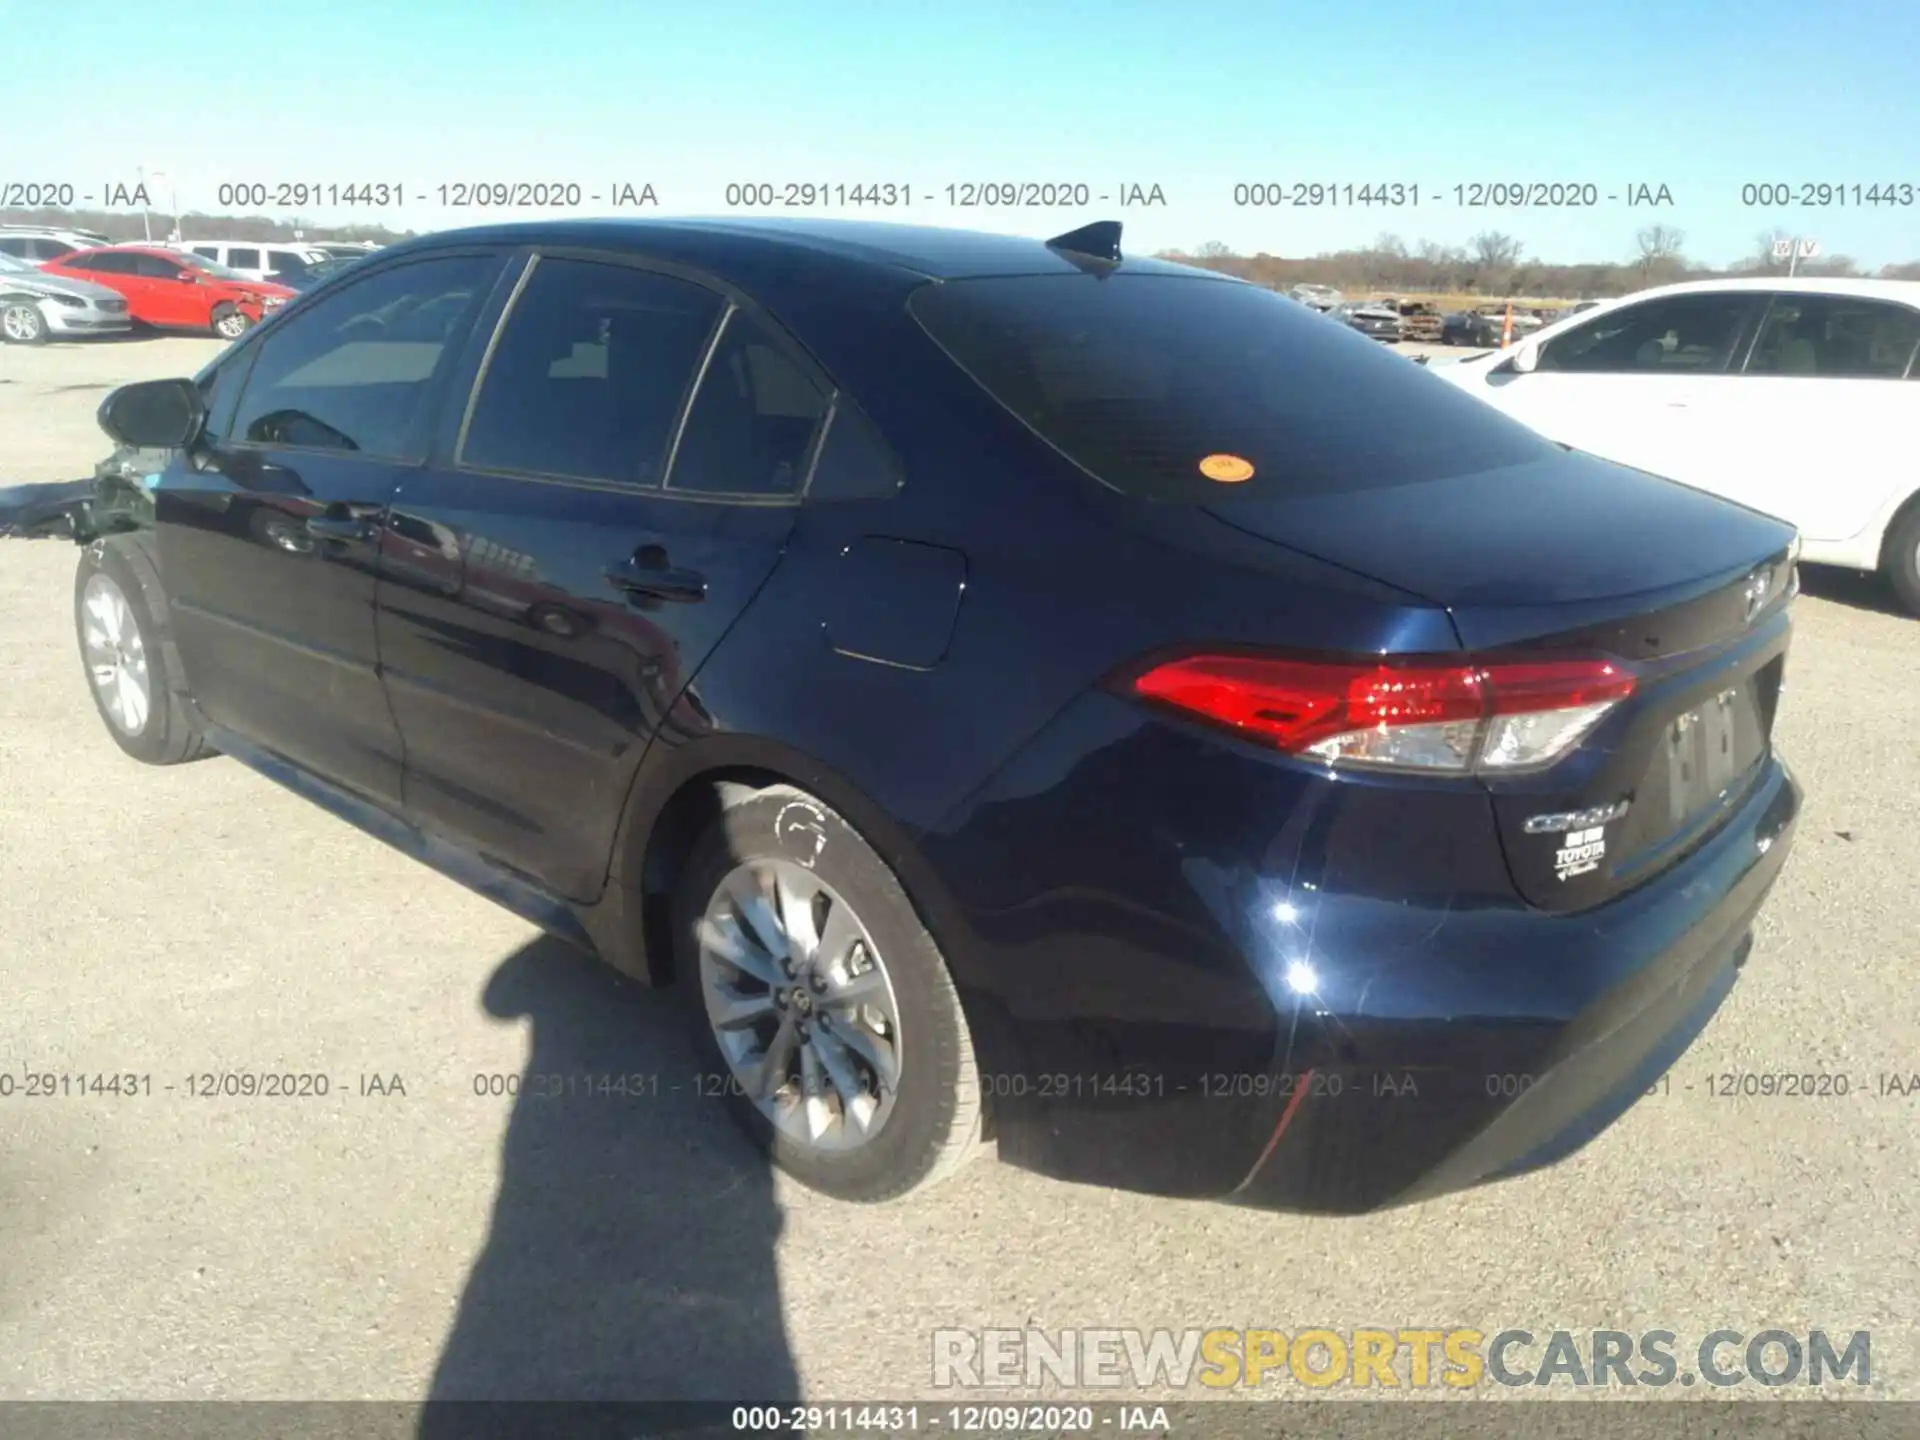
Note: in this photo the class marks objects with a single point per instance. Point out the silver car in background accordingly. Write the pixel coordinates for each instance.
(36, 307)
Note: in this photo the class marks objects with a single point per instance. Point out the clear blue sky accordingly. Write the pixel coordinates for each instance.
(1699, 97)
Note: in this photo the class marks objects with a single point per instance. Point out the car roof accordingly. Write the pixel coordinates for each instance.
(1904, 292)
(46, 232)
(719, 244)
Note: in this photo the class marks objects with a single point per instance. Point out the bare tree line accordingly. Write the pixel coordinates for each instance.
(1493, 263)
(195, 225)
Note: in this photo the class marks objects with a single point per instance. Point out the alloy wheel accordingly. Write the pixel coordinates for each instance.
(20, 323)
(800, 1004)
(116, 655)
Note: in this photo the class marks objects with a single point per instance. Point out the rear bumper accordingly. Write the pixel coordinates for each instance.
(1300, 1001)
(1500, 1095)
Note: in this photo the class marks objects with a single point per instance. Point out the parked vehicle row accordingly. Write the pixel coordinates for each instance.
(69, 284)
(1376, 320)
(761, 606)
(284, 264)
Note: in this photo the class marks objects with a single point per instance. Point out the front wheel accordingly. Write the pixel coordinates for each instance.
(21, 323)
(828, 1014)
(230, 322)
(1900, 557)
(126, 665)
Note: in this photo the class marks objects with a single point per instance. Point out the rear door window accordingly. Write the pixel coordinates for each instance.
(753, 424)
(1835, 336)
(590, 373)
(1200, 390)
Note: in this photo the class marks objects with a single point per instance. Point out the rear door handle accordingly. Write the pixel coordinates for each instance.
(344, 528)
(649, 575)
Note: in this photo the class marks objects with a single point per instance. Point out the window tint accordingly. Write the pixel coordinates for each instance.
(155, 267)
(108, 264)
(1691, 334)
(854, 462)
(1835, 336)
(753, 421)
(589, 374)
(14, 245)
(242, 258)
(283, 262)
(1138, 378)
(220, 388)
(51, 249)
(355, 371)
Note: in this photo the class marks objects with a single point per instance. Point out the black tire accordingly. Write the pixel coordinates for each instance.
(1900, 557)
(21, 323)
(229, 322)
(935, 1123)
(167, 734)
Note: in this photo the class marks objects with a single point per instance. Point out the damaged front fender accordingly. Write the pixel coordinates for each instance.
(118, 498)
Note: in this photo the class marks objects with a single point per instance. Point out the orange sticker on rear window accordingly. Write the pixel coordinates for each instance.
(1227, 469)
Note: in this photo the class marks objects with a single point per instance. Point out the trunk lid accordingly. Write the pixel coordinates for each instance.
(1576, 556)
(1527, 550)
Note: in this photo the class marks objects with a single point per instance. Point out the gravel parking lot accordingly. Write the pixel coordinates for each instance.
(404, 1235)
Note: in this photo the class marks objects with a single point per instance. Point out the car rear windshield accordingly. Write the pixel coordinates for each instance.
(1170, 388)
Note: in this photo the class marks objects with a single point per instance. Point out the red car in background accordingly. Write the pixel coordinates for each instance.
(173, 290)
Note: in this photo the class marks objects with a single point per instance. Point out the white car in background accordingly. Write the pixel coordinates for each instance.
(37, 244)
(1800, 398)
(255, 259)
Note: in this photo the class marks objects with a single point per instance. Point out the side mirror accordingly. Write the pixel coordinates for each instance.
(154, 414)
(1526, 359)
(187, 277)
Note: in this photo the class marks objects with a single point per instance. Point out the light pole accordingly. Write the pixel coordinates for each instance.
(173, 204)
(146, 224)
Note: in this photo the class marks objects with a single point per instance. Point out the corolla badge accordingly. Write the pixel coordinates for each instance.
(1755, 593)
(1561, 821)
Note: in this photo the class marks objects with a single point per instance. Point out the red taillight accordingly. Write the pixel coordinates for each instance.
(1419, 715)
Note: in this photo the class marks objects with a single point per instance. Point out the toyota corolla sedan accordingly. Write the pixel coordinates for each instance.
(1007, 689)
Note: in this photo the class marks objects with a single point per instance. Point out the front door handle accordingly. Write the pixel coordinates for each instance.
(648, 574)
(339, 527)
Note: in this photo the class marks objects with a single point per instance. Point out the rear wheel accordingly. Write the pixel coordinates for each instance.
(231, 322)
(1900, 557)
(822, 1002)
(126, 666)
(21, 323)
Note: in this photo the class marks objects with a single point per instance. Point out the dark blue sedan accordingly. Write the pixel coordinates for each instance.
(1010, 690)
